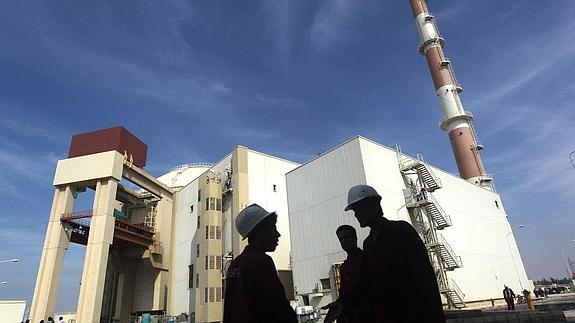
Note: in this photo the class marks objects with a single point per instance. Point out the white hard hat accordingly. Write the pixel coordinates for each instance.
(249, 218)
(358, 193)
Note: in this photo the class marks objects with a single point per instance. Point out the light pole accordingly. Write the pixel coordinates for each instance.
(9, 260)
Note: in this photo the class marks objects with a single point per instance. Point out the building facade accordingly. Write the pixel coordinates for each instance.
(464, 226)
(162, 245)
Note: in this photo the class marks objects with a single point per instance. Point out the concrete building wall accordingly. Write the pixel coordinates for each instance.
(183, 175)
(143, 287)
(185, 217)
(382, 173)
(483, 238)
(317, 193)
(12, 310)
(267, 188)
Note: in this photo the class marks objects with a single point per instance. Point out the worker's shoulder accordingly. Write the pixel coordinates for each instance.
(400, 224)
(253, 258)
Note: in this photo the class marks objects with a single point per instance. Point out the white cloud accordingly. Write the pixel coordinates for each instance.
(335, 20)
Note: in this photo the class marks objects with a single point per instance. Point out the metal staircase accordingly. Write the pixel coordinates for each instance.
(441, 219)
(428, 217)
(430, 181)
(453, 294)
(450, 260)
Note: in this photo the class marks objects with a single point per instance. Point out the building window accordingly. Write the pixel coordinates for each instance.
(497, 204)
(274, 188)
(213, 204)
(213, 232)
(206, 263)
(325, 284)
(197, 280)
(206, 295)
(198, 225)
(212, 263)
(218, 294)
(199, 195)
(191, 276)
(219, 262)
(197, 250)
(192, 208)
(212, 294)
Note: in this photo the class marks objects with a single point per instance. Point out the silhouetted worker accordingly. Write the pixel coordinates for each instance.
(254, 293)
(508, 295)
(349, 274)
(397, 282)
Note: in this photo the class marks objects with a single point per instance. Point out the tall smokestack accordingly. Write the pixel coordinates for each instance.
(456, 121)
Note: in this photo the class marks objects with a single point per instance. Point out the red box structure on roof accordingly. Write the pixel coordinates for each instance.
(117, 138)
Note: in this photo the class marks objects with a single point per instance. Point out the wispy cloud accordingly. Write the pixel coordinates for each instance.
(335, 22)
(535, 62)
(25, 122)
(287, 103)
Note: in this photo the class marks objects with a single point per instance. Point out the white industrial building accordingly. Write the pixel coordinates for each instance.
(468, 236)
(196, 279)
(163, 247)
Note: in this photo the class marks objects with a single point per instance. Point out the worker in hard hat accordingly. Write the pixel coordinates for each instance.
(397, 282)
(349, 273)
(254, 292)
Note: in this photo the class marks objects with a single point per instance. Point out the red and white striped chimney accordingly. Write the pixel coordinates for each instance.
(456, 121)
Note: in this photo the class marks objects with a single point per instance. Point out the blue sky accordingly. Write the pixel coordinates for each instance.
(293, 78)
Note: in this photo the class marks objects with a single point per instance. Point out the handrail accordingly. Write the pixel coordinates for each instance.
(457, 289)
(190, 165)
(77, 215)
(439, 208)
(450, 251)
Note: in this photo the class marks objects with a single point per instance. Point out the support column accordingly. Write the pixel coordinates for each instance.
(55, 245)
(96, 260)
(241, 197)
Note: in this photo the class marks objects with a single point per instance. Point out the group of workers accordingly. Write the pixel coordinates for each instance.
(390, 280)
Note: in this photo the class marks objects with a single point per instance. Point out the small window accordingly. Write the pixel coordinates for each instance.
(197, 280)
(325, 284)
(198, 225)
(497, 204)
(199, 195)
(219, 262)
(197, 251)
(218, 233)
(207, 203)
(192, 208)
(205, 295)
(206, 263)
(218, 204)
(191, 276)
(212, 294)
(207, 231)
(212, 232)
(274, 188)
(212, 203)
(212, 262)
(218, 294)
